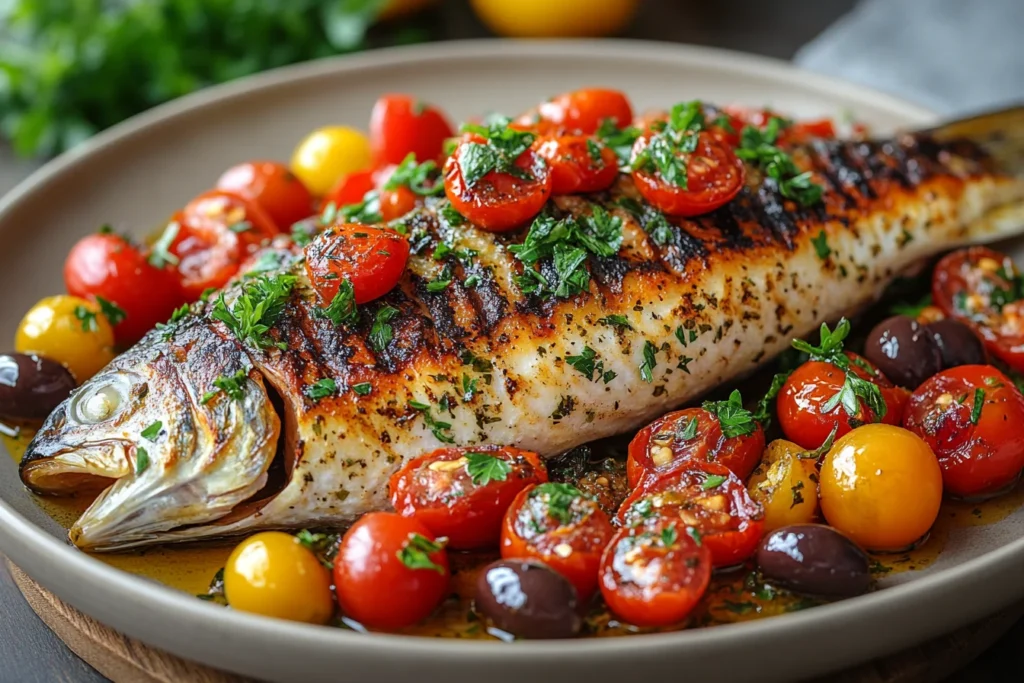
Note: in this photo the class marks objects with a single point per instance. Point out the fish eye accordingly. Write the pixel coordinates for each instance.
(101, 401)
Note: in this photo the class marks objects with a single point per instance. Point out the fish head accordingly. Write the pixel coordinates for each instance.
(174, 433)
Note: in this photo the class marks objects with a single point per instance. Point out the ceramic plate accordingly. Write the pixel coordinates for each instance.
(136, 174)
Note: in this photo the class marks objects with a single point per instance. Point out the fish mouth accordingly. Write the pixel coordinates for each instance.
(85, 469)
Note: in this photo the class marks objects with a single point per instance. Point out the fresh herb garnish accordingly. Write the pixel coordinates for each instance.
(484, 468)
(911, 310)
(342, 309)
(366, 212)
(324, 546)
(619, 140)
(502, 146)
(651, 220)
(256, 310)
(416, 551)
(732, 416)
(649, 363)
(160, 255)
(713, 481)
(560, 498)
(363, 388)
(689, 431)
(87, 318)
(438, 285)
(111, 311)
(854, 389)
(615, 320)
(141, 460)
(586, 363)
(151, 432)
(232, 385)
(382, 333)
(667, 152)
(821, 245)
(979, 403)
(669, 536)
(762, 413)
(421, 178)
(179, 314)
(437, 427)
(322, 388)
(594, 152)
(758, 147)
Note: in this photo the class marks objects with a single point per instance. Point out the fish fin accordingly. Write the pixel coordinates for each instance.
(1000, 133)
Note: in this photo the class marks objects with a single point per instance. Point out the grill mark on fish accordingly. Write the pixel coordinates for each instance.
(441, 310)
(771, 208)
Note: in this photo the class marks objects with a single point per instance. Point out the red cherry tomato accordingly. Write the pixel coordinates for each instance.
(971, 417)
(982, 288)
(578, 164)
(580, 111)
(804, 131)
(273, 187)
(400, 124)
(558, 525)
(390, 572)
(670, 441)
(795, 133)
(463, 493)
(498, 201)
(655, 574)
(372, 259)
(813, 386)
(713, 177)
(108, 267)
(707, 497)
(351, 189)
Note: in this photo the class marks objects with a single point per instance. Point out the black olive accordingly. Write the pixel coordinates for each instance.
(958, 343)
(814, 559)
(31, 386)
(904, 351)
(528, 600)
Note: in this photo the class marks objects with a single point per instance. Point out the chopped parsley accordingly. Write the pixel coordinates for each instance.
(87, 318)
(761, 414)
(912, 310)
(484, 468)
(586, 363)
(416, 551)
(758, 147)
(232, 385)
(471, 281)
(654, 222)
(366, 212)
(689, 431)
(667, 152)
(179, 314)
(421, 178)
(594, 152)
(798, 497)
(111, 311)
(342, 309)
(438, 285)
(160, 255)
(321, 389)
(821, 245)
(151, 432)
(734, 419)
(363, 388)
(304, 232)
(650, 362)
(502, 146)
(713, 481)
(256, 310)
(269, 260)
(620, 140)
(141, 460)
(979, 403)
(616, 320)
(382, 333)
(450, 215)
(437, 427)
(560, 498)
(669, 536)
(854, 389)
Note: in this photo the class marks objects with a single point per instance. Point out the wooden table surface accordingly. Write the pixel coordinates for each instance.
(31, 653)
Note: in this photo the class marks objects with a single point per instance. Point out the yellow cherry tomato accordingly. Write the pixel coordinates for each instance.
(547, 19)
(328, 154)
(273, 574)
(882, 486)
(786, 485)
(68, 330)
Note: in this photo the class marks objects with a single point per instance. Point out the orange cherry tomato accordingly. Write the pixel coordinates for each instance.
(351, 189)
(390, 571)
(402, 188)
(971, 417)
(273, 187)
(714, 175)
(813, 386)
(498, 201)
(670, 441)
(401, 124)
(463, 493)
(579, 111)
(372, 259)
(707, 497)
(558, 525)
(578, 164)
(655, 574)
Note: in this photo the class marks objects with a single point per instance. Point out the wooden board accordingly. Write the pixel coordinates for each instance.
(126, 660)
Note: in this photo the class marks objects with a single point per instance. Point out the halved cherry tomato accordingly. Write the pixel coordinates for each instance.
(578, 163)
(714, 175)
(561, 527)
(655, 574)
(971, 417)
(982, 288)
(273, 187)
(670, 441)
(108, 267)
(463, 493)
(498, 201)
(400, 124)
(814, 385)
(351, 189)
(390, 571)
(579, 111)
(707, 497)
(372, 259)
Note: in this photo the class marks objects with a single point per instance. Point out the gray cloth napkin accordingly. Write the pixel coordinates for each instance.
(954, 56)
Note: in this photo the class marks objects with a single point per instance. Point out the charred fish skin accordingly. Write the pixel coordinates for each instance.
(684, 306)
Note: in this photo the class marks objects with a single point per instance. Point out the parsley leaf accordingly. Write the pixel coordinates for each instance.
(616, 320)
(232, 385)
(382, 333)
(437, 427)
(363, 388)
(111, 311)
(559, 498)
(421, 178)
(821, 245)
(484, 468)
(366, 212)
(761, 414)
(584, 362)
(179, 314)
(141, 460)
(438, 285)
(758, 147)
(732, 416)
(979, 403)
(650, 362)
(160, 255)
(151, 432)
(87, 318)
(502, 146)
(342, 309)
(620, 140)
(689, 431)
(594, 152)
(651, 220)
(668, 151)
(416, 551)
(712, 481)
(321, 389)
(669, 536)
(256, 310)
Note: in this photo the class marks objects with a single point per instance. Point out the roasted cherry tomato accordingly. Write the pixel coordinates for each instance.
(881, 486)
(654, 574)
(351, 189)
(707, 497)
(558, 525)
(68, 330)
(135, 295)
(272, 574)
(271, 186)
(790, 132)
(785, 483)
(691, 434)
(971, 417)
(809, 410)
(578, 164)
(463, 493)
(498, 201)
(714, 175)
(982, 288)
(390, 571)
(372, 259)
(579, 111)
(403, 187)
(328, 154)
(402, 125)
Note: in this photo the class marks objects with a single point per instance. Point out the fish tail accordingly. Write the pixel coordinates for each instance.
(999, 133)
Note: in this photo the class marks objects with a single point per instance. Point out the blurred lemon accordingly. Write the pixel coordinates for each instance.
(395, 9)
(555, 18)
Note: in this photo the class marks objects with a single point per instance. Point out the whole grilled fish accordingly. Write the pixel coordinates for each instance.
(251, 436)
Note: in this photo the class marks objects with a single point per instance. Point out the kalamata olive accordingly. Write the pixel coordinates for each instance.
(31, 386)
(958, 343)
(903, 350)
(528, 600)
(814, 559)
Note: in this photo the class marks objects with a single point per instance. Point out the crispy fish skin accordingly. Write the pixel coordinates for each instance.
(490, 363)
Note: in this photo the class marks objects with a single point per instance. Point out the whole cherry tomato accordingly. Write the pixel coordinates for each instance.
(691, 434)
(971, 417)
(707, 497)
(401, 124)
(560, 526)
(372, 259)
(403, 187)
(271, 186)
(390, 571)
(134, 295)
(463, 493)
(351, 189)
(578, 164)
(579, 111)
(655, 574)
